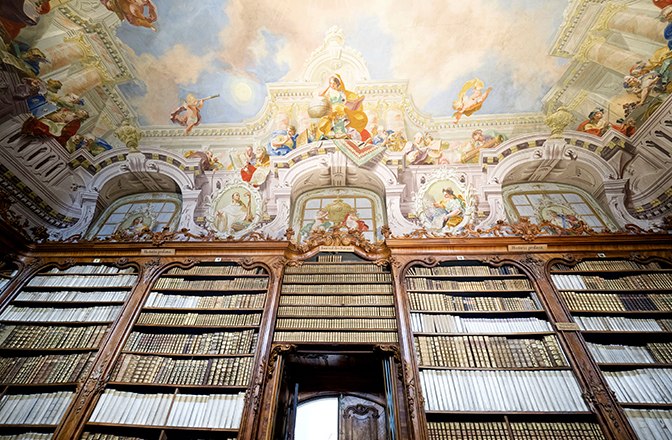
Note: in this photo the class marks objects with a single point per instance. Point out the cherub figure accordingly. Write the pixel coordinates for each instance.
(468, 103)
(189, 113)
(133, 11)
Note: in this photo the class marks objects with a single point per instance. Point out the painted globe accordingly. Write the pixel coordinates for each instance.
(319, 107)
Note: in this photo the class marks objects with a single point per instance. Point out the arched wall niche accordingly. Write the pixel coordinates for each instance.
(557, 162)
(334, 170)
(136, 175)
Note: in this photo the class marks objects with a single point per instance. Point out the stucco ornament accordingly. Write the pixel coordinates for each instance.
(558, 121)
(130, 135)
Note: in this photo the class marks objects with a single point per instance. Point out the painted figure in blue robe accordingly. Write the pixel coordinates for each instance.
(282, 141)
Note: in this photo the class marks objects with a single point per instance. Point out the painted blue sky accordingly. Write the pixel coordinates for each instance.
(233, 48)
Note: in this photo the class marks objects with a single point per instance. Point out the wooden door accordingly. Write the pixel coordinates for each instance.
(361, 419)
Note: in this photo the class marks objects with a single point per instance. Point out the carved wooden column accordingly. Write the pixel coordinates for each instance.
(80, 409)
(597, 394)
(417, 423)
(252, 421)
(272, 376)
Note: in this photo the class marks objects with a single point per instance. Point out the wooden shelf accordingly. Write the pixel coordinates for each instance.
(76, 288)
(162, 427)
(620, 273)
(624, 366)
(461, 277)
(173, 386)
(214, 326)
(63, 323)
(199, 310)
(509, 292)
(505, 413)
(517, 334)
(624, 312)
(64, 304)
(481, 312)
(427, 367)
(213, 276)
(47, 350)
(610, 291)
(189, 355)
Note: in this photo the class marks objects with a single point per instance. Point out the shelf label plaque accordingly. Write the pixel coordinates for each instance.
(567, 326)
(527, 247)
(337, 248)
(157, 251)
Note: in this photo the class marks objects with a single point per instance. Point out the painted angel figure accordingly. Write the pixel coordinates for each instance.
(469, 103)
(133, 11)
(189, 113)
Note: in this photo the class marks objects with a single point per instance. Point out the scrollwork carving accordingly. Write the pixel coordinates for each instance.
(150, 267)
(340, 237)
(277, 351)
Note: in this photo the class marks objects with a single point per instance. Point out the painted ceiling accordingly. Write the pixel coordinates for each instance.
(234, 48)
(524, 58)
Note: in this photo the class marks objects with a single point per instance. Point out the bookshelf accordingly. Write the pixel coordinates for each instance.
(185, 367)
(624, 311)
(336, 299)
(50, 334)
(490, 363)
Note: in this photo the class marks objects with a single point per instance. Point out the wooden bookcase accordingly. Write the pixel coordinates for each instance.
(335, 300)
(149, 307)
(186, 365)
(490, 363)
(50, 335)
(624, 310)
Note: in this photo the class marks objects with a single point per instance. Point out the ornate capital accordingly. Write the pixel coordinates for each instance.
(130, 135)
(277, 351)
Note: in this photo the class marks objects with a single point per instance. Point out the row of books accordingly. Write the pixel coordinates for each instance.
(462, 270)
(619, 323)
(235, 284)
(336, 323)
(235, 342)
(93, 269)
(55, 368)
(651, 353)
(201, 319)
(335, 337)
(336, 300)
(519, 431)
(339, 278)
(618, 302)
(83, 281)
(216, 270)
(336, 289)
(608, 265)
(344, 310)
(649, 385)
(649, 281)
(467, 286)
(452, 303)
(467, 390)
(164, 370)
(183, 410)
(489, 352)
(651, 423)
(73, 296)
(48, 337)
(426, 323)
(100, 436)
(244, 301)
(28, 436)
(34, 409)
(334, 268)
(329, 258)
(65, 314)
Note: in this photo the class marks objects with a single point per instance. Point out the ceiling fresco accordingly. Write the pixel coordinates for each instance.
(456, 77)
(232, 49)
